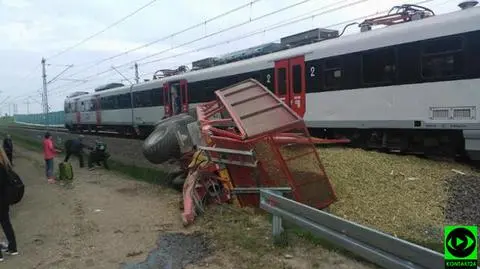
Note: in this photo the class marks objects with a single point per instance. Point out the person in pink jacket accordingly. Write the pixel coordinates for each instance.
(49, 153)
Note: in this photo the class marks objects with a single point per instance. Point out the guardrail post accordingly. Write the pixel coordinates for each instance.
(278, 233)
(279, 237)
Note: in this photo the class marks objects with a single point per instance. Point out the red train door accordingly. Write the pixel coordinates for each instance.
(290, 83)
(98, 109)
(297, 84)
(167, 100)
(281, 80)
(184, 95)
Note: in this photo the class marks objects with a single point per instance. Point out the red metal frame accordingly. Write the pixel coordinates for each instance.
(260, 116)
(184, 95)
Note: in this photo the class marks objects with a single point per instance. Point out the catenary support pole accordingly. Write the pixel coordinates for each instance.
(137, 78)
(45, 93)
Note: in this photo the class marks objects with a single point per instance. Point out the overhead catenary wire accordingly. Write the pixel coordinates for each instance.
(203, 23)
(284, 23)
(198, 39)
(218, 32)
(103, 30)
(257, 32)
(275, 26)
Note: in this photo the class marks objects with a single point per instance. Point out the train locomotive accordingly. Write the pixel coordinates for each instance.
(412, 86)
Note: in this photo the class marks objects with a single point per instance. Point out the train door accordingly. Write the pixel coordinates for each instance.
(77, 111)
(281, 80)
(98, 109)
(167, 100)
(290, 83)
(184, 95)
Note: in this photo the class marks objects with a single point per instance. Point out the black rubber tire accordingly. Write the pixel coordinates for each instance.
(193, 112)
(162, 144)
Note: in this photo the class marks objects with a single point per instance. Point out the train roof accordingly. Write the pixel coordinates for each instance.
(436, 26)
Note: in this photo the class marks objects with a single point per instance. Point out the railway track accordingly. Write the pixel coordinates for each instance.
(459, 159)
(64, 130)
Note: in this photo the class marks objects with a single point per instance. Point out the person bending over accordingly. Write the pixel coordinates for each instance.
(75, 147)
(98, 155)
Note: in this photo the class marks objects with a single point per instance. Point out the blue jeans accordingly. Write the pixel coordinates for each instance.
(49, 168)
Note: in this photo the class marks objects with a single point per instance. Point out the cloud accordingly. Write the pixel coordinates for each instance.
(16, 3)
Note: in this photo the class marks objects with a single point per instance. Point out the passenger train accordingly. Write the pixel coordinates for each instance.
(409, 87)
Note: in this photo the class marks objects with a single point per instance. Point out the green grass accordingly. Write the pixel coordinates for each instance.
(6, 120)
(149, 175)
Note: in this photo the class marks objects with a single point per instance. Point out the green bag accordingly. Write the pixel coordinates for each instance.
(66, 171)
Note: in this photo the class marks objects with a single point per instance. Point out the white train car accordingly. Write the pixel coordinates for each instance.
(411, 87)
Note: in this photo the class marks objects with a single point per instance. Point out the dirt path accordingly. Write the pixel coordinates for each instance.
(103, 220)
(99, 221)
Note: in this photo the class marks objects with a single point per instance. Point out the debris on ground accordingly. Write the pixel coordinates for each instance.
(463, 200)
(400, 195)
(174, 251)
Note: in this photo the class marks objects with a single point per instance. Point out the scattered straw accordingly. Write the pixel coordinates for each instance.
(400, 195)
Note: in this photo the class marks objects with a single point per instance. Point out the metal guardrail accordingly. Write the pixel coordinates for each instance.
(382, 249)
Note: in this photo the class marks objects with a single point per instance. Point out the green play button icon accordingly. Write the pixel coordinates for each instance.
(458, 242)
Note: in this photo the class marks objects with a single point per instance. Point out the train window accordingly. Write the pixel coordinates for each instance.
(137, 100)
(297, 78)
(379, 66)
(157, 97)
(449, 44)
(282, 81)
(143, 98)
(104, 103)
(92, 106)
(115, 102)
(147, 98)
(124, 101)
(332, 73)
(110, 104)
(442, 58)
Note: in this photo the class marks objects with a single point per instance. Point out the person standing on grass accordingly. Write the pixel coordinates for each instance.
(11, 248)
(49, 153)
(8, 147)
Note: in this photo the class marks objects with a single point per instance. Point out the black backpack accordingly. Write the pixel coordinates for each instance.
(15, 187)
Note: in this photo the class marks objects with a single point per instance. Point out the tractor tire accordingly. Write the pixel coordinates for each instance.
(162, 144)
(193, 112)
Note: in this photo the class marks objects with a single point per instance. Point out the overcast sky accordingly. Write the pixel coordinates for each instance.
(32, 29)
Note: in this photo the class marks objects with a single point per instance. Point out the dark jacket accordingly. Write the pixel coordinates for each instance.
(74, 146)
(8, 145)
(3, 188)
